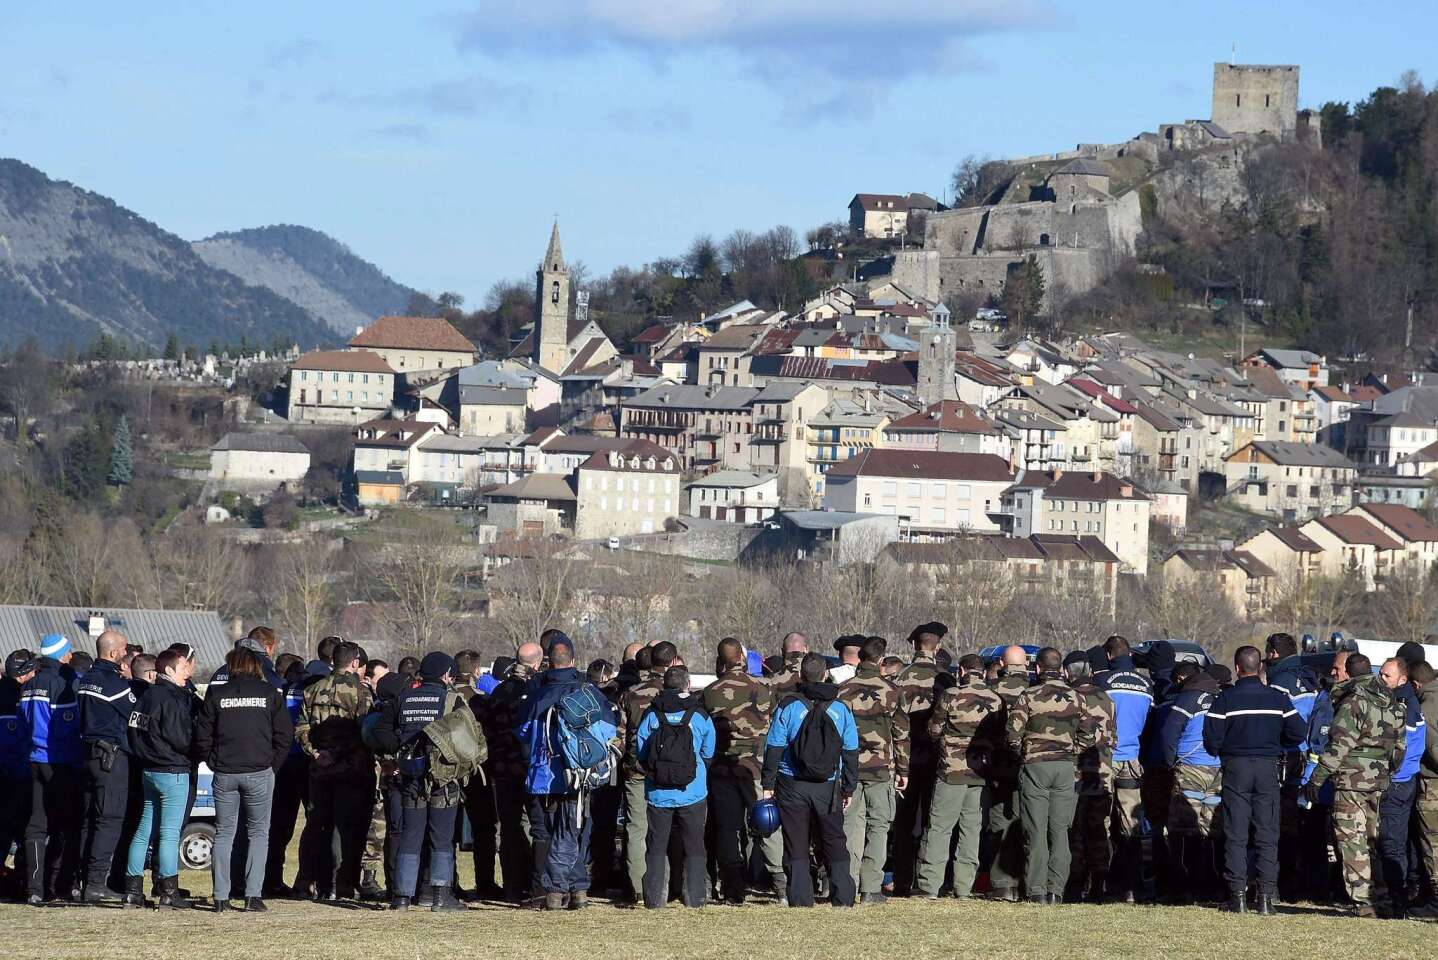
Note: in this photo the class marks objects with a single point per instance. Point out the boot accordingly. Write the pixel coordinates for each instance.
(35, 869)
(369, 890)
(579, 899)
(1265, 905)
(1097, 883)
(99, 895)
(443, 900)
(554, 901)
(1237, 902)
(255, 905)
(170, 897)
(134, 897)
(400, 904)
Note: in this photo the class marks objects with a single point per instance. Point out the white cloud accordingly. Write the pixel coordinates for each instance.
(820, 53)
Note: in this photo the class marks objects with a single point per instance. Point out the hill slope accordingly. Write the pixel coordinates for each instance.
(74, 264)
(310, 269)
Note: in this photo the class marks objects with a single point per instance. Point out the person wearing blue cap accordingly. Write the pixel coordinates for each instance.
(14, 764)
(49, 711)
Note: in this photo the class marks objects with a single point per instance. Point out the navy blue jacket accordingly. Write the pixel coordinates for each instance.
(50, 714)
(1132, 697)
(106, 702)
(1318, 723)
(1299, 682)
(1415, 731)
(404, 718)
(1251, 719)
(14, 736)
(1182, 735)
(222, 675)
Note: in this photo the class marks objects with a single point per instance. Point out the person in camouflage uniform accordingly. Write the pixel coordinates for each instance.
(1426, 808)
(636, 702)
(507, 766)
(883, 768)
(1005, 858)
(376, 841)
(1048, 727)
(1088, 841)
(342, 770)
(916, 698)
(966, 726)
(1197, 785)
(740, 707)
(1366, 743)
(786, 678)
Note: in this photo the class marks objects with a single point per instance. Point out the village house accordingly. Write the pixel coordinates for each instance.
(633, 490)
(1291, 481)
(415, 344)
(391, 446)
(949, 426)
(1288, 551)
(1077, 502)
(1302, 368)
(1398, 437)
(879, 216)
(259, 461)
(470, 463)
(1245, 581)
(538, 505)
(1354, 547)
(930, 492)
(1410, 528)
(339, 386)
(738, 496)
(723, 358)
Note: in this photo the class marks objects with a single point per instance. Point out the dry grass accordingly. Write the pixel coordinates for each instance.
(908, 929)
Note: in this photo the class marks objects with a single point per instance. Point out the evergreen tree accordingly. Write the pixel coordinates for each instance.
(122, 465)
(172, 347)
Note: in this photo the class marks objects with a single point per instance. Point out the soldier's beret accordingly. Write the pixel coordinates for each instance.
(849, 640)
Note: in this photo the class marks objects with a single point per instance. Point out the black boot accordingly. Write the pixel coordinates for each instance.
(134, 893)
(100, 895)
(1265, 905)
(443, 900)
(370, 891)
(170, 898)
(35, 871)
(399, 904)
(1237, 903)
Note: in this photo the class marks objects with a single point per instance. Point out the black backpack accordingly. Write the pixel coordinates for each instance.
(817, 746)
(672, 763)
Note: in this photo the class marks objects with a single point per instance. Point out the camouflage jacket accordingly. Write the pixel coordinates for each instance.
(499, 715)
(1009, 687)
(1366, 740)
(883, 726)
(1049, 722)
(632, 706)
(787, 680)
(1098, 759)
(740, 706)
(967, 725)
(916, 698)
(330, 720)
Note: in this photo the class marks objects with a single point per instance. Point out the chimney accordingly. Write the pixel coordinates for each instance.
(1097, 476)
(1058, 473)
(1127, 491)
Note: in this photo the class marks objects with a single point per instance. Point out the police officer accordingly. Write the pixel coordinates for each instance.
(1285, 670)
(1196, 783)
(52, 717)
(1132, 697)
(1249, 727)
(429, 809)
(106, 702)
(14, 763)
(1395, 810)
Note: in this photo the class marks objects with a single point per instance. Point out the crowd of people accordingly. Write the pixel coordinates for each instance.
(1103, 775)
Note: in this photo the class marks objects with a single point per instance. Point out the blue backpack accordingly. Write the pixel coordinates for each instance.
(576, 732)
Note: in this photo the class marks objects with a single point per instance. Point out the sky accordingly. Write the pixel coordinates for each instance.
(439, 140)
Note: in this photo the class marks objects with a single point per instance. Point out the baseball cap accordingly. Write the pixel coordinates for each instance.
(19, 663)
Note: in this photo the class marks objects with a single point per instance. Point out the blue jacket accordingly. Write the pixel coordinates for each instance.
(14, 735)
(1182, 733)
(1416, 732)
(106, 702)
(1132, 697)
(701, 728)
(1318, 723)
(784, 728)
(550, 688)
(1150, 745)
(1300, 683)
(51, 714)
(1250, 719)
(222, 675)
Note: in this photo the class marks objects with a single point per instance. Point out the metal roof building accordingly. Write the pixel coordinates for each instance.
(22, 627)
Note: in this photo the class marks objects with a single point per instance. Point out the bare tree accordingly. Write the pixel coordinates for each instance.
(201, 569)
(973, 595)
(631, 598)
(302, 592)
(1193, 607)
(529, 595)
(81, 561)
(1407, 606)
(415, 580)
(1324, 602)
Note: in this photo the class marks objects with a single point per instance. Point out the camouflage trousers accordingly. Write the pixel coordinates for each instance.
(1127, 797)
(1355, 826)
(1188, 815)
(373, 858)
(1427, 816)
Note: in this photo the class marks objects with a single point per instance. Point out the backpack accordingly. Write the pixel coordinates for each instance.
(672, 764)
(817, 747)
(457, 746)
(577, 723)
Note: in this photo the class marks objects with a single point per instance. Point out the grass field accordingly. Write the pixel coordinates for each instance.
(906, 929)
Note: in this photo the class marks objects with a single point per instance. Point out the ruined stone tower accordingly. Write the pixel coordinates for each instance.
(551, 308)
(936, 363)
(1250, 98)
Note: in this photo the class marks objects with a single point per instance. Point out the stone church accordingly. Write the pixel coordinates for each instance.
(559, 342)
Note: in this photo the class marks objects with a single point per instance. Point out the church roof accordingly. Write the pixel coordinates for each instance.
(554, 256)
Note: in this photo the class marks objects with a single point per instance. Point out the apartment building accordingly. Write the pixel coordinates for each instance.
(624, 492)
(1092, 503)
(1292, 481)
(340, 386)
(931, 493)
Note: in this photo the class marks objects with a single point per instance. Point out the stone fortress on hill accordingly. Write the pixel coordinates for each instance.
(1078, 212)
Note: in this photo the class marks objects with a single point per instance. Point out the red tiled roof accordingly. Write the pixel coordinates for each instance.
(877, 201)
(643, 449)
(413, 333)
(1356, 530)
(360, 361)
(1405, 521)
(926, 464)
(390, 432)
(1363, 393)
(1333, 393)
(651, 334)
(1103, 396)
(948, 416)
(1081, 485)
(1295, 539)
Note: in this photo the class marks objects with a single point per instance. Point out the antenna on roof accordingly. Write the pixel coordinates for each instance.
(1232, 61)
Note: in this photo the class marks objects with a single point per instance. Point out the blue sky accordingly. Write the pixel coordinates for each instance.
(439, 139)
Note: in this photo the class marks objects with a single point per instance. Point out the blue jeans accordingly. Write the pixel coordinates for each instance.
(170, 792)
(562, 821)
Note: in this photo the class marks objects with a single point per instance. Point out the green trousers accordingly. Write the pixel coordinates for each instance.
(959, 805)
(1047, 799)
(866, 831)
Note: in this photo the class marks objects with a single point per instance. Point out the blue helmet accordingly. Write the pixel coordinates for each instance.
(764, 818)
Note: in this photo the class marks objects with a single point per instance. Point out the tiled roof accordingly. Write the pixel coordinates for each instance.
(925, 464)
(260, 443)
(1294, 539)
(359, 361)
(948, 416)
(881, 201)
(1333, 394)
(413, 333)
(643, 449)
(1080, 485)
(536, 486)
(1356, 530)
(1405, 521)
(1287, 454)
